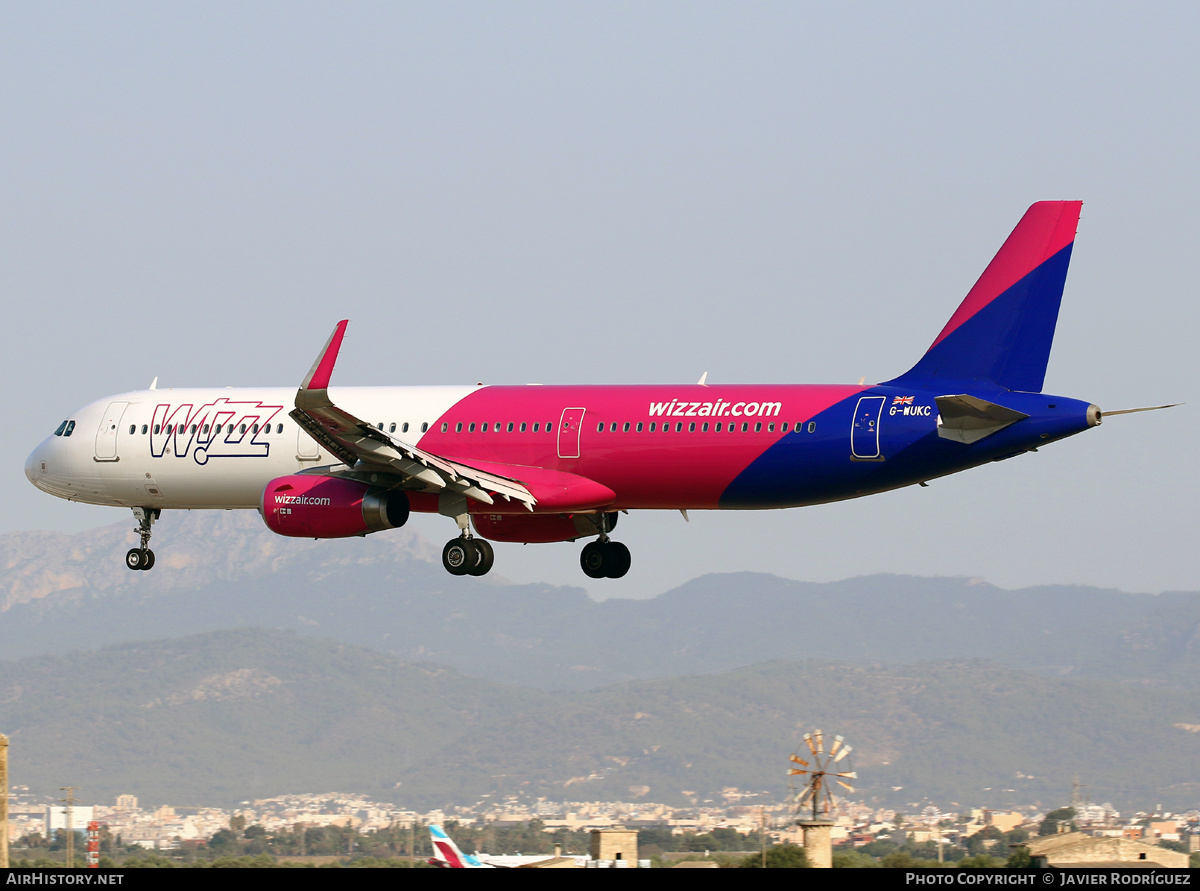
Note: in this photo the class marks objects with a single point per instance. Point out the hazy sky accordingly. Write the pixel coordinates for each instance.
(574, 192)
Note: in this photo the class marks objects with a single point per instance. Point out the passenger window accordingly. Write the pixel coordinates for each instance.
(535, 428)
(158, 429)
(471, 429)
(278, 428)
(243, 428)
(718, 426)
(692, 427)
(783, 428)
(510, 426)
(194, 429)
(812, 426)
(522, 426)
(445, 427)
(745, 426)
(639, 427)
(132, 429)
(771, 428)
(704, 427)
(758, 427)
(458, 427)
(625, 429)
(679, 426)
(600, 427)
(144, 429)
(484, 427)
(549, 429)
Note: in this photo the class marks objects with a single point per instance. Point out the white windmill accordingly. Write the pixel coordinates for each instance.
(819, 771)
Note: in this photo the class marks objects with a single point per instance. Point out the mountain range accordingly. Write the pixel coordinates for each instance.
(247, 665)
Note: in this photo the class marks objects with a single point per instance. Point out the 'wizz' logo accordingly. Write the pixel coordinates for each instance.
(218, 429)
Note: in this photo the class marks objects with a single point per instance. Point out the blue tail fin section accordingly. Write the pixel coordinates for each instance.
(1002, 332)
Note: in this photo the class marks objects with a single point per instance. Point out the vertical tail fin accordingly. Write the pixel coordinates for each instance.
(446, 852)
(1002, 331)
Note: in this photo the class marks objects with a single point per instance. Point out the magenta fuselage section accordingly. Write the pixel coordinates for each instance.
(653, 446)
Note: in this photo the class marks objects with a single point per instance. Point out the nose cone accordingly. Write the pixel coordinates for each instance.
(37, 466)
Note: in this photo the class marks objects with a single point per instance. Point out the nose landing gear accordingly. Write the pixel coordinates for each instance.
(143, 557)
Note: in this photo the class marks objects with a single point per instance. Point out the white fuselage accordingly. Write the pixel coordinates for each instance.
(207, 448)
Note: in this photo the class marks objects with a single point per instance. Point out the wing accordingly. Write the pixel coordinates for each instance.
(359, 445)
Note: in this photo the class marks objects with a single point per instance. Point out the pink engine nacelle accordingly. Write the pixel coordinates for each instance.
(309, 506)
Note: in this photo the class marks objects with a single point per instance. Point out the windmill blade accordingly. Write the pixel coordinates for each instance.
(804, 797)
(820, 741)
(837, 744)
(847, 775)
(843, 753)
(796, 772)
(830, 801)
(808, 740)
(845, 786)
(1129, 411)
(797, 759)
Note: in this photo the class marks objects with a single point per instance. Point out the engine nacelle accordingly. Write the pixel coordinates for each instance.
(539, 528)
(310, 506)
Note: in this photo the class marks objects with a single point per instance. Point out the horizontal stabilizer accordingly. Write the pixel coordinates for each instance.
(969, 419)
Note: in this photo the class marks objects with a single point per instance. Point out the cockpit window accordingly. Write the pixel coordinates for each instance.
(61, 427)
(70, 428)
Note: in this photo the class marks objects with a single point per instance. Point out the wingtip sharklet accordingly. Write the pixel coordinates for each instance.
(322, 369)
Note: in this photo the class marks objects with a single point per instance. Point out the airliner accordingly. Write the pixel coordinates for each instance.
(448, 856)
(562, 463)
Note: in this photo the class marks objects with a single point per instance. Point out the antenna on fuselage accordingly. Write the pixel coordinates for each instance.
(154, 383)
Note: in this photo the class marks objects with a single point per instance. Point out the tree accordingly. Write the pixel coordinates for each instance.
(779, 857)
(1050, 823)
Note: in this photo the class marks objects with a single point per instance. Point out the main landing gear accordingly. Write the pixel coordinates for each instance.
(464, 555)
(604, 558)
(468, 556)
(143, 557)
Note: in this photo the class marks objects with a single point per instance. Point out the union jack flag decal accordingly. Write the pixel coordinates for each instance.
(902, 400)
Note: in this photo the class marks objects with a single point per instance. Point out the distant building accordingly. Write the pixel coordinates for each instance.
(1074, 849)
(56, 818)
(1005, 821)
